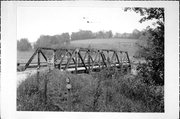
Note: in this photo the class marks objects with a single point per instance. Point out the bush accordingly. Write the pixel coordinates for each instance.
(112, 98)
(135, 89)
(136, 95)
(30, 93)
(105, 91)
(24, 45)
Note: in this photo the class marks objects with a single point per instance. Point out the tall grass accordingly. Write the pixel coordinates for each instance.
(106, 91)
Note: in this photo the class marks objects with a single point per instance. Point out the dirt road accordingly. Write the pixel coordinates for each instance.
(21, 76)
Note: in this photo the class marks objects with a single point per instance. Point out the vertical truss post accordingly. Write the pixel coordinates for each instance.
(121, 66)
(54, 58)
(112, 58)
(91, 60)
(99, 59)
(103, 59)
(59, 57)
(108, 59)
(117, 57)
(129, 66)
(76, 60)
(61, 60)
(89, 63)
(38, 68)
(38, 58)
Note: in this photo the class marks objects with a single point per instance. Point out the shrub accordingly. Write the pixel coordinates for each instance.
(30, 93)
(136, 95)
(134, 88)
(112, 98)
(105, 91)
(24, 45)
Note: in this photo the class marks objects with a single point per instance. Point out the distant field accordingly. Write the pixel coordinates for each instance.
(118, 44)
(23, 57)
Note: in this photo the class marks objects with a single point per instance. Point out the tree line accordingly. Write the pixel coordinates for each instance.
(65, 38)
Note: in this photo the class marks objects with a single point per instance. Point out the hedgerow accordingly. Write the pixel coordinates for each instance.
(105, 91)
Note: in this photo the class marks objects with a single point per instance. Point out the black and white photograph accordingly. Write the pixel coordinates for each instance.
(93, 57)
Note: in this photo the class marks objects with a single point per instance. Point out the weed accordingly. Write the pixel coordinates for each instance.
(105, 91)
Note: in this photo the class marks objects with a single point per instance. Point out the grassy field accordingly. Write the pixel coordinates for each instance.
(118, 44)
(24, 56)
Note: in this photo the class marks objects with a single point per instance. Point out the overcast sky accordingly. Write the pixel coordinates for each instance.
(35, 21)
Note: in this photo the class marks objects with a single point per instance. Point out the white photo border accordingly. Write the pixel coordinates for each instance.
(9, 60)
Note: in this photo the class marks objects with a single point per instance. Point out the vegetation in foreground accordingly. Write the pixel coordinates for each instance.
(106, 91)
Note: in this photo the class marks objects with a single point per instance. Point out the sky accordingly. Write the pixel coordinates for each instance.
(35, 21)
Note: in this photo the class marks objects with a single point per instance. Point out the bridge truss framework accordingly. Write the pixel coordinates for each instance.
(81, 59)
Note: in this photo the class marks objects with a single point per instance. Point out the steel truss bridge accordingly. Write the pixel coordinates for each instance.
(80, 60)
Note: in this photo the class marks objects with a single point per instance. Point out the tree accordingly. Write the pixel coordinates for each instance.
(66, 37)
(109, 34)
(24, 45)
(104, 34)
(136, 34)
(54, 41)
(82, 34)
(43, 41)
(153, 51)
(100, 34)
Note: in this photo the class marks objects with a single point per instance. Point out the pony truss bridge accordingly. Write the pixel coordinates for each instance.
(79, 60)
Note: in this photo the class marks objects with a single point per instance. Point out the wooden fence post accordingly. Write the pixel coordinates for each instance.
(45, 89)
(38, 77)
(68, 86)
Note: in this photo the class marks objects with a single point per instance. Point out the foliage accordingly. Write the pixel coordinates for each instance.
(153, 50)
(151, 96)
(86, 34)
(134, 35)
(106, 91)
(82, 34)
(52, 41)
(31, 97)
(104, 34)
(137, 96)
(24, 45)
(149, 13)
